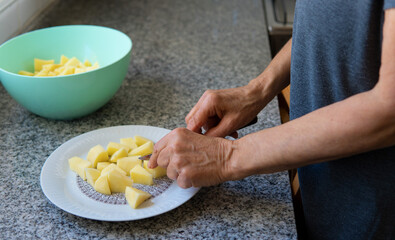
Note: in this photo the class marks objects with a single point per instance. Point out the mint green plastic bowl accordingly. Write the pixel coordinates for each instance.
(71, 96)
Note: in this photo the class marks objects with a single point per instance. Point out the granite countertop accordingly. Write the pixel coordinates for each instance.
(180, 49)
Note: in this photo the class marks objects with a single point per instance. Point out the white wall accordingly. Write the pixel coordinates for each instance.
(15, 15)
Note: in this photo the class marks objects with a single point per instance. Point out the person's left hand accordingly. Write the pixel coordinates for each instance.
(194, 160)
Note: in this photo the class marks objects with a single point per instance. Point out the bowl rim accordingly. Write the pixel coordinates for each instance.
(66, 26)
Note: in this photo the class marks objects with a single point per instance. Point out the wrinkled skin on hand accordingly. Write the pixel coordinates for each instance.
(193, 159)
(222, 112)
(199, 160)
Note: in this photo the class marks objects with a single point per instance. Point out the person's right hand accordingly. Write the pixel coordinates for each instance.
(222, 112)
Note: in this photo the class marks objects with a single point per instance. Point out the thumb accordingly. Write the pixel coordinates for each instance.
(199, 119)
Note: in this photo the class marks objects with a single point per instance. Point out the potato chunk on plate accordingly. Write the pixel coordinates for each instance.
(135, 197)
(145, 149)
(97, 154)
(110, 167)
(130, 142)
(102, 186)
(140, 175)
(156, 172)
(118, 182)
(92, 175)
(139, 140)
(78, 165)
(122, 152)
(127, 163)
(112, 147)
(101, 165)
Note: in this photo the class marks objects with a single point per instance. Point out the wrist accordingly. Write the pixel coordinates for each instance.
(252, 154)
(262, 87)
(237, 166)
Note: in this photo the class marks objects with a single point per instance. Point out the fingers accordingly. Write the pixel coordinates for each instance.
(164, 160)
(161, 156)
(216, 111)
(178, 170)
(189, 119)
(195, 108)
(172, 172)
(159, 146)
(197, 120)
(173, 167)
(194, 126)
(183, 181)
(178, 174)
(166, 155)
(152, 162)
(201, 112)
(191, 113)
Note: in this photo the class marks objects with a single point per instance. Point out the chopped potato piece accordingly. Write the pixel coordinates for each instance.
(101, 165)
(63, 60)
(92, 175)
(129, 142)
(74, 162)
(38, 63)
(97, 154)
(122, 152)
(42, 73)
(102, 186)
(110, 167)
(59, 70)
(112, 147)
(141, 140)
(93, 67)
(51, 67)
(117, 181)
(143, 150)
(156, 172)
(78, 165)
(87, 63)
(140, 175)
(135, 197)
(128, 163)
(26, 73)
(79, 70)
(67, 71)
(72, 62)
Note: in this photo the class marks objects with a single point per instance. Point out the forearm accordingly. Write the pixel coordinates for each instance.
(276, 76)
(358, 124)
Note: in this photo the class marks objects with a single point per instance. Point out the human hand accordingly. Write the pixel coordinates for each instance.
(222, 112)
(193, 159)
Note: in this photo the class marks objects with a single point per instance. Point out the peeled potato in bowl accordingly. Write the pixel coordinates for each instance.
(66, 96)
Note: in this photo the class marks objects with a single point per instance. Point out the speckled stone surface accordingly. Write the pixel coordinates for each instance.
(180, 49)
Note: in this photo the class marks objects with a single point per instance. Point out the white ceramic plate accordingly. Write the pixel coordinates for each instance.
(70, 193)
